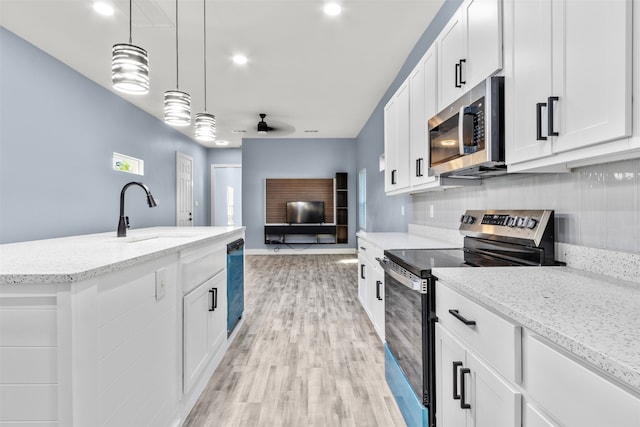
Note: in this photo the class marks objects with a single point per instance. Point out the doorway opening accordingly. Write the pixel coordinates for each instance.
(226, 195)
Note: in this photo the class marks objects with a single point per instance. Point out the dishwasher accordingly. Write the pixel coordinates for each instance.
(235, 283)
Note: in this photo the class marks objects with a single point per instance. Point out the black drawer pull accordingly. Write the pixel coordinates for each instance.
(214, 299)
(378, 284)
(456, 365)
(463, 403)
(362, 271)
(457, 315)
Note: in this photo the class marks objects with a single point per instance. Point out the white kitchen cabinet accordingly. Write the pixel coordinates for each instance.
(567, 86)
(469, 48)
(423, 83)
(470, 393)
(396, 140)
(572, 393)
(371, 284)
(205, 326)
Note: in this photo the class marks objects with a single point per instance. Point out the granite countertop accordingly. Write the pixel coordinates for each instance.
(405, 241)
(75, 258)
(594, 317)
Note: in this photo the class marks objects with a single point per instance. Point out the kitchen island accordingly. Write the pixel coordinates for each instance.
(92, 330)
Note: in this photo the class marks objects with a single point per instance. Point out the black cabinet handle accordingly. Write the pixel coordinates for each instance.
(214, 299)
(463, 400)
(363, 248)
(393, 177)
(462, 82)
(457, 315)
(456, 365)
(550, 101)
(539, 107)
(378, 284)
(419, 163)
(457, 72)
(362, 271)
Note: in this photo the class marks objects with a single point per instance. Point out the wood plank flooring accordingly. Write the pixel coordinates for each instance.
(306, 354)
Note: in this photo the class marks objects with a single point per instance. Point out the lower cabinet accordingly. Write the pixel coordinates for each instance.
(371, 284)
(469, 392)
(204, 326)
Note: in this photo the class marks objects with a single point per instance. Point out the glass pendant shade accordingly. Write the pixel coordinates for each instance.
(177, 108)
(130, 69)
(205, 127)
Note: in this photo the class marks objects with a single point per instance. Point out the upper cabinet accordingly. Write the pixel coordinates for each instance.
(469, 48)
(568, 80)
(396, 140)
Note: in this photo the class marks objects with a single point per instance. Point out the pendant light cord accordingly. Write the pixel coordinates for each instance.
(204, 2)
(177, 78)
(130, 1)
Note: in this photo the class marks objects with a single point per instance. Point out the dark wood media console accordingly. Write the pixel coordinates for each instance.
(270, 231)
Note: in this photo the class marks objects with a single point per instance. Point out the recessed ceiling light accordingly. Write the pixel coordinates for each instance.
(332, 9)
(222, 142)
(103, 8)
(239, 59)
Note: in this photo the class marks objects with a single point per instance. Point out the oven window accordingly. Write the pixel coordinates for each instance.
(403, 332)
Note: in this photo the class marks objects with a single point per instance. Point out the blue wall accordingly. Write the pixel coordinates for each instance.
(384, 213)
(58, 131)
(264, 158)
(225, 156)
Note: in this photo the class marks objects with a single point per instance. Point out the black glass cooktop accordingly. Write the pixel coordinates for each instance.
(421, 261)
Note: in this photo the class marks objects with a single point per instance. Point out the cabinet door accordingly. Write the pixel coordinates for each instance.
(450, 359)
(593, 84)
(483, 27)
(423, 105)
(376, 299)
(528, 82)
(390, 144)
(532, 417)
(218, 317)
(402, 180)
(362, 283)
(494, 402)
(451, 51)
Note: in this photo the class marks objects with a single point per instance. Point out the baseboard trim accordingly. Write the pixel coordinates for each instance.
(302, 251)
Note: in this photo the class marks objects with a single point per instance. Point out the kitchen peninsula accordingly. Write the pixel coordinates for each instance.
(92, 330)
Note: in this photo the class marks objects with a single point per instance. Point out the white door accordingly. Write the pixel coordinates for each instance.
(226, 195)
(184, 190)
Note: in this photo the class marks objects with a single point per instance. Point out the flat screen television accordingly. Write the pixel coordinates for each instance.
(305, 212)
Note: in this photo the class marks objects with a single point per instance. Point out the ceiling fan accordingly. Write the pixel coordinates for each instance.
(263, 127)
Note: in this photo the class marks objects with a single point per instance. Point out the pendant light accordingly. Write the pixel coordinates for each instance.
(130, 66)
(177, 104)
(205, 122)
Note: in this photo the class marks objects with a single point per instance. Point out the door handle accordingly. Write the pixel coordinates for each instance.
(393, 177)
(463, 400)
(539, 107)
(462, 82)
(550, 102)
(215, 298)
(378, 284)
(456, 365)
(362, 271)
(457, 315)
(419, 163)
(457, 71)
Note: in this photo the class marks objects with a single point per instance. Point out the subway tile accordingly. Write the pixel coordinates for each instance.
(621, 224)
(592, 207)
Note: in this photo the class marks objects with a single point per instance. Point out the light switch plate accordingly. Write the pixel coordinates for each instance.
(161, 284)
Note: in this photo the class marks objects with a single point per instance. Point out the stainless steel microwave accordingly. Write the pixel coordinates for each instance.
(466, 139)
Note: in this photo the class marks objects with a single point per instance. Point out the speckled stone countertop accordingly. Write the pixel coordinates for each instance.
(71, 259)
(594, 317)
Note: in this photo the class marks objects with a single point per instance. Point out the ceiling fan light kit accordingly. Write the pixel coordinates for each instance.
(130, 66)
(177, 104)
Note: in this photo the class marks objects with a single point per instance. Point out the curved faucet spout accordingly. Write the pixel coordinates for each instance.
(123, 222)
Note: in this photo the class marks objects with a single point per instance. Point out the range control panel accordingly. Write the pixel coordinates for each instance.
(517, 224)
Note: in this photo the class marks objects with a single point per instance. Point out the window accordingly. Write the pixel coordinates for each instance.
(362, 199)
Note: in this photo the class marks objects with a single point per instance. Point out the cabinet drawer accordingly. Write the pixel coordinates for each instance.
(495, 339)
(573, 394)
(202, 265)
(369, 250)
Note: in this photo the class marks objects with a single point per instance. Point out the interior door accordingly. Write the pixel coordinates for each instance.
(184, 190)
(226, 195)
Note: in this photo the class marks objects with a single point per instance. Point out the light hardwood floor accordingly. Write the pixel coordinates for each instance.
(306, 354)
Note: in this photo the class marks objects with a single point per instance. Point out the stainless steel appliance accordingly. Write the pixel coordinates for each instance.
(493, 238)
(466, 139)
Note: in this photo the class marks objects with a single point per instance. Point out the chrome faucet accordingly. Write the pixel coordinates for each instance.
(123, 223)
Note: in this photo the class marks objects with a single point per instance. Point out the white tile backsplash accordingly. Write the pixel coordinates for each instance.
(595, 206)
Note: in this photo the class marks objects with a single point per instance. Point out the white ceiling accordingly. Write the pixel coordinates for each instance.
(306, 70)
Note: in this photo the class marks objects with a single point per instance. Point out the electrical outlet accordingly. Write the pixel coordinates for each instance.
(161, 284)
(430, 211)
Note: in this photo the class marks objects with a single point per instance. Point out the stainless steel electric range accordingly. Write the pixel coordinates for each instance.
(493, 238)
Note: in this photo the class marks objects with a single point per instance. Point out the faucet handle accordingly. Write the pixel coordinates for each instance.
(126, 218)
